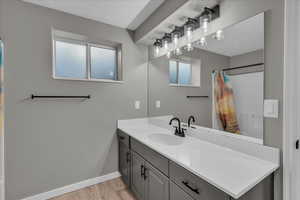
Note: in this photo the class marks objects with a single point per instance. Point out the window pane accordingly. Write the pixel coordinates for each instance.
(184, 73)
(70, 60)
(103, 63)
(173, 71)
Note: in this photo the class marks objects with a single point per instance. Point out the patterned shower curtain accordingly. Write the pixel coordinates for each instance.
(223, 104)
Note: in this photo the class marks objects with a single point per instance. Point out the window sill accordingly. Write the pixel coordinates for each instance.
(89, 80)
(182, 85)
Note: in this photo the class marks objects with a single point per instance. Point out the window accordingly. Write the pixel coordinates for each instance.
(180, 72)
(79, 60)
(103, 63)
(70, 60)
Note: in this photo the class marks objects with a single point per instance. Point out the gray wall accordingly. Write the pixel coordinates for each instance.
(52, 144)
(233, 11)
(173, 99)
(253, 57)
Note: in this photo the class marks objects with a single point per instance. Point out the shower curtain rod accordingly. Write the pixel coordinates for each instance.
(241, 67)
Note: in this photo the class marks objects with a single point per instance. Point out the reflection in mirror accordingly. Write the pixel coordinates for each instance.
(224, 75)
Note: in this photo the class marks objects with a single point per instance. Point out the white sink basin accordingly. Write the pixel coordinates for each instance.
(170, 140)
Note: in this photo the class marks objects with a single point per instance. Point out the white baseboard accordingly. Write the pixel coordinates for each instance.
(73, 187)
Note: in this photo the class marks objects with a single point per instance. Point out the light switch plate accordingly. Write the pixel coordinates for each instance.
(137, 105)
(271, 108)
(157, 104)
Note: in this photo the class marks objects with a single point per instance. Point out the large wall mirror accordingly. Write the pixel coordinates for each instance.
(220, 82)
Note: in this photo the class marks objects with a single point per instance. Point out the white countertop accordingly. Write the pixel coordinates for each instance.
(229, 170)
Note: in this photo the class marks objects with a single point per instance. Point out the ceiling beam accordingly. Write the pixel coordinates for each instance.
(165, 10)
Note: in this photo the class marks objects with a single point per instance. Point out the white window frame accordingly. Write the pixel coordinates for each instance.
(88, 45)
(177, 74)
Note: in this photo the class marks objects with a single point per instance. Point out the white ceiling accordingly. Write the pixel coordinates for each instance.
(240, 38)
(122, 13)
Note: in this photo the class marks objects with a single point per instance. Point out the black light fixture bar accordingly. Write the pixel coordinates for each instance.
(167, 37)
(214, 12)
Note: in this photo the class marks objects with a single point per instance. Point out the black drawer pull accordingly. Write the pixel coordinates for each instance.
(145, 176)
(143, 171)
(121, 137)
(191, 188)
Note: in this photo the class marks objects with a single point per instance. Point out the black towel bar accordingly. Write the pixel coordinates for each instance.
(59, 97)
(197, 96)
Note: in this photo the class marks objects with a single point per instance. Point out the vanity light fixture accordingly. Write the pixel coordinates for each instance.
(189, 27)
(170, 41)
(166, 40)
(157, 45)
(204, 20)
(176, 34)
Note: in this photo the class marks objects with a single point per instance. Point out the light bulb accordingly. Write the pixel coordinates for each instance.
(166, 45)
(177, 51)
(175, 40)
(219, 35)
(189, 34)
(205, 25)
(202, 41)
(156, 50)
(189, 47)
(157, 45)
(168, 54)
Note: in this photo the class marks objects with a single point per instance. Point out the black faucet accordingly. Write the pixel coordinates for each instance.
(178, 131)
(191, 118)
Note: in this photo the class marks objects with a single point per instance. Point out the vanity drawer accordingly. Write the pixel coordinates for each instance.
(123, 137)
(193, 185)
(151, 156)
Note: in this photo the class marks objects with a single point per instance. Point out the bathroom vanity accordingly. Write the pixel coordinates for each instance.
(156, 165)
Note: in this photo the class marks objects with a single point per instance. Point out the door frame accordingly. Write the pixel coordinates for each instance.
(290, 97)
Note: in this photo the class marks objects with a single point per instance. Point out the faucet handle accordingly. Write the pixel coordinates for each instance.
(176, 130)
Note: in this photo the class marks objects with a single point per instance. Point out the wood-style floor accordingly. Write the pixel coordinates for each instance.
(111, 190)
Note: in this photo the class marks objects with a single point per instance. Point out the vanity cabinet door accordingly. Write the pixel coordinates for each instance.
(176, 193)
(156, 184)
(137, 176)
(124, 162)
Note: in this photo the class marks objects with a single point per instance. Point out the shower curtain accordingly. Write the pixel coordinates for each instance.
(224, 112)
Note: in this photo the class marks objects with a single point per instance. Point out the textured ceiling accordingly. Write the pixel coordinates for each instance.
(122, 13)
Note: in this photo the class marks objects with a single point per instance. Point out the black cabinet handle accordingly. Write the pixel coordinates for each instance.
(128, 157)
(121, 137)
(191, 188)
(145, 172)
(142, 171)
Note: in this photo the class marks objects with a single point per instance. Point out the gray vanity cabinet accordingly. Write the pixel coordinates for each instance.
(147, 183)
(124, 162)
(124, 158)
(151, 176)
(157, 184)
(137, 176)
